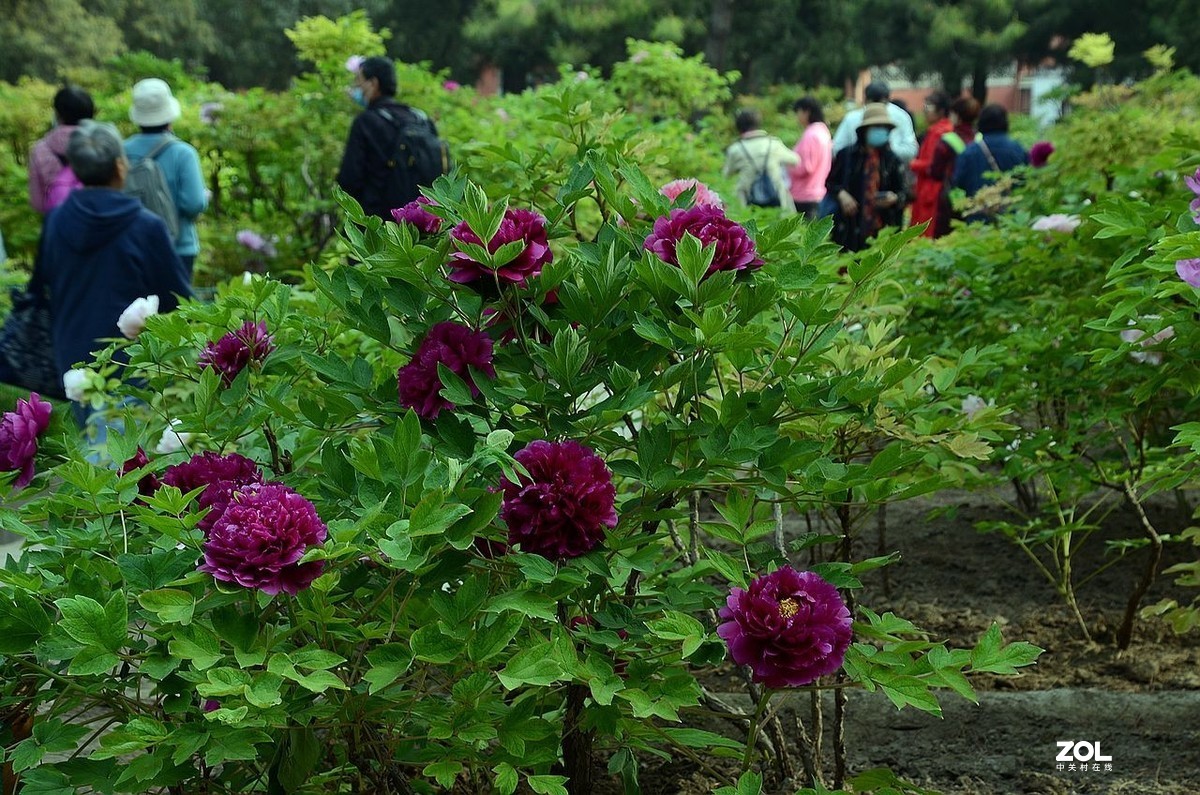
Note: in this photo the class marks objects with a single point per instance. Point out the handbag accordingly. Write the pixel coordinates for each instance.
(763, 191)
(27, 345)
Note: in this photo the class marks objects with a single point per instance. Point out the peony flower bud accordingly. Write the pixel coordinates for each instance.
(133, 319)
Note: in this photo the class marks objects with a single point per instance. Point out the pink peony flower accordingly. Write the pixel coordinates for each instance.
(209, 112)
(230, 354)
(1193, 183)
(415, 214)
(451, 85)
(256, 243)
(734, 248)
(260, 537)
(354, 63)
(704, 196)
(451, 344)
(1189, 271)
(1039, 153)
(790, 627)
(133, 318)
(518, 225)
(221, 475)
(19, 432)
(563, 507)
(1058, 222)
(148, 483)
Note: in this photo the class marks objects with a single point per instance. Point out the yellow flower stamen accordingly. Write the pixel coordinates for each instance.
(788, 607)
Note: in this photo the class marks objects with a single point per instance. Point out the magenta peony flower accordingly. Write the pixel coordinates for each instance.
(790, 627)
(260, 538)
(19, 432)
(562, 508)
(523, 225)
(1039, 153)
(704, 197)
(415, 214)
(230, 354)
(451, 85)
(148, 483)
(256, 242)
(222, 475)
(1189, 271)
(734, 248)
(451, 344)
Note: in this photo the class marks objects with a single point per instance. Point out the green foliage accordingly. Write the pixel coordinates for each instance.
(720, 403)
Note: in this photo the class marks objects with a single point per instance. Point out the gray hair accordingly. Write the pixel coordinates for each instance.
(93, 152)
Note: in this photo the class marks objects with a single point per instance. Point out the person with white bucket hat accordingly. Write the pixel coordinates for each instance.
(154, 109)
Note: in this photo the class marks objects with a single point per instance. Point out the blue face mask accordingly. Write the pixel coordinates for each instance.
(357, 95)
(877, 136)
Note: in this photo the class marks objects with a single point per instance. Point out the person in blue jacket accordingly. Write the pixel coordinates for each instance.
(153, 111)
(101, 250)
(991, 151)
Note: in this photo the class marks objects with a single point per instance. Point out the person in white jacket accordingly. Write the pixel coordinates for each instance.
(754, 152)
(902, 141)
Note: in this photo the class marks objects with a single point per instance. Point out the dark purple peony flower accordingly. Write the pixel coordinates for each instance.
(415, 214)
(734, 248)
(261, 536)
(561, 510)
(221, 475)
(790, 628)
(230, 354)
(451, 344)
(211, 705)
(523, 225)
(19, 432)
(1039, 153)
(148, 483)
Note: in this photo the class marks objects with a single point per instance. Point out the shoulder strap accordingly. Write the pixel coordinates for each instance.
(62, 159)
(988, 154)
(160, 147)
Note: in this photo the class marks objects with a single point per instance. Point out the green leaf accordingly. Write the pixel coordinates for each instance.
(430, 645)
(388, 663)
(547, 785)
(443, 772)
(92, 660)
(991, 655)
(506, 778)
(487, 642)
(679, 626)
(23, 622)
(534, 605)
(432, 516)
(530, 667)
(171, 605)
(92, 624)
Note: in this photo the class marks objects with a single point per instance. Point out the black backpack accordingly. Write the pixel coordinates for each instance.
(763, 192)
(417, 156)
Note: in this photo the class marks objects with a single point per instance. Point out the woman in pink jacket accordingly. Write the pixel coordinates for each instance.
(815, 149)
(49, 155)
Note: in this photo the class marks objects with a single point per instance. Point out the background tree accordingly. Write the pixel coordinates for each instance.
(40, 38)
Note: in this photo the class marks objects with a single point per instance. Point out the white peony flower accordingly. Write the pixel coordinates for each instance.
(973, 404)
(1137, 335)
(73, 383)
(1058, 222)
(133, 319)
(172, 441)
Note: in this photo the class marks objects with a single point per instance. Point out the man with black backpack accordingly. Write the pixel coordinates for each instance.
(393, 149)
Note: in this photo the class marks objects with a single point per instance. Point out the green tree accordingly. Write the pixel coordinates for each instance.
(43, 38)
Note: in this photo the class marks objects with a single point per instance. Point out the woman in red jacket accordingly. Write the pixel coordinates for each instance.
(963, 113)
(937, 116)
